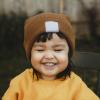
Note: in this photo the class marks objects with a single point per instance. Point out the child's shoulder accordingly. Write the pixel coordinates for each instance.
(25, 76)
(74, 78)
(73, 75)
(77, 84)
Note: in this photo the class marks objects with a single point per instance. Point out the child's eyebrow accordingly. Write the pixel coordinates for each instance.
(38, 45)
(59, 45)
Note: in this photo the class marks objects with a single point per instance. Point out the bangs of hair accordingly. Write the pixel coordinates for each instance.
(43, 37)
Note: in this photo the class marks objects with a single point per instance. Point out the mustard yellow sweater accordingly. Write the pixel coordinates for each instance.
(26, 87)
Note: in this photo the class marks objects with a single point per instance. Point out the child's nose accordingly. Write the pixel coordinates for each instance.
(49, 55)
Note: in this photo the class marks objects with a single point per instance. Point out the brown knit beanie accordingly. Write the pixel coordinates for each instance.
(36, 25)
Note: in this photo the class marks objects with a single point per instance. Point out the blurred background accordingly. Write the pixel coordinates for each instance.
(84, 16)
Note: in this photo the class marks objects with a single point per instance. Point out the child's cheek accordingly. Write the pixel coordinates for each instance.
(63, 56)
(36, 55)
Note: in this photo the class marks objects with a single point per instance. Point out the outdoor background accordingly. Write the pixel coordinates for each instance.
(84, 16)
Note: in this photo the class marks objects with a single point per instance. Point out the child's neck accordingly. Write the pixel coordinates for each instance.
(48, 77)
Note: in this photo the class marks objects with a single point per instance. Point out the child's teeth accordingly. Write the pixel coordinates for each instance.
(49, 64)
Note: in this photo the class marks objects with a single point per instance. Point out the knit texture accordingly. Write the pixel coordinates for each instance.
(36, 25)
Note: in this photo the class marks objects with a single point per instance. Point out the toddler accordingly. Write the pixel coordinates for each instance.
(49, 43)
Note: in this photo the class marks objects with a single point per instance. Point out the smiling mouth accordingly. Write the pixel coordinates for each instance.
(49, 65)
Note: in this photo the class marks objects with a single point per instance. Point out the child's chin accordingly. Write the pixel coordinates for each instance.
(50, 73)
(49, 68)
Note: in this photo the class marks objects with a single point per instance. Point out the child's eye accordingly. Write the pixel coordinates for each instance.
(40, 50)
(58, 50)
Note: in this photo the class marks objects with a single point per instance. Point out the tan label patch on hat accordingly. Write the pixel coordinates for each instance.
(51, 26)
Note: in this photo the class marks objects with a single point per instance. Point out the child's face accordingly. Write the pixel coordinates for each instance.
(50, 58)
